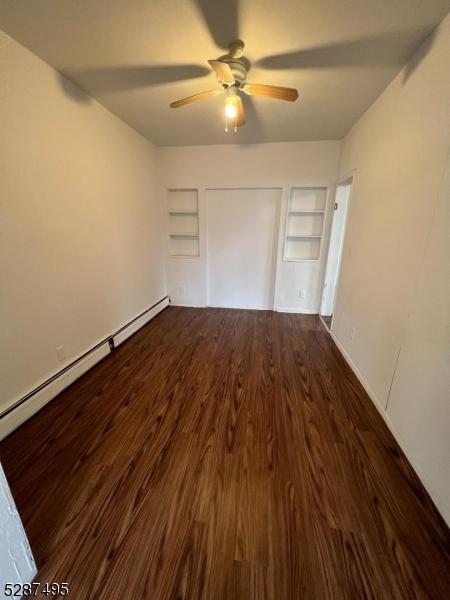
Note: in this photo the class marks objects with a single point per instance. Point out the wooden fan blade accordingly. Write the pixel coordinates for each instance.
(194, 98)
(223, 71)
(271, 91)
(240, 118)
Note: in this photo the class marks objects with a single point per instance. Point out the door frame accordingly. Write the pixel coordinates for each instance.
(347, 181)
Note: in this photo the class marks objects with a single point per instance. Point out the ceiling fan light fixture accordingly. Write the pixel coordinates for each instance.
(231, 104)
(231, 107)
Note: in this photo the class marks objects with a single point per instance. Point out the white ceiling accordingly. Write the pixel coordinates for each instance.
(340, 54)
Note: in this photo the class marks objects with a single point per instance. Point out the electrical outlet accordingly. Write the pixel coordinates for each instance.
(302, 294)
(352, 332)
(60, 353)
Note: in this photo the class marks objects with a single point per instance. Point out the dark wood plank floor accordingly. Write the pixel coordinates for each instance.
(224, 454)
(327, 321)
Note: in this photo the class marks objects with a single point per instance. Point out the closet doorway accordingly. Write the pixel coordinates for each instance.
(242, 243)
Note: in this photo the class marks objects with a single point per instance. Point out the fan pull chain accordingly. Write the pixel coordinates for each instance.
(234, 128)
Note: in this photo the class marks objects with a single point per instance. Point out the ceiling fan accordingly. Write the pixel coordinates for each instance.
(231, 71)
(232, 68)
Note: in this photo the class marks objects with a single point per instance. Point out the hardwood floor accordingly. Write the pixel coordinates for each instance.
(224, 454)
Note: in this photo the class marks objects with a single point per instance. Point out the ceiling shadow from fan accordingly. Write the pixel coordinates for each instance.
(115, 79)
(389, 49)
(222, 20)
(418, 56)
(73, 90)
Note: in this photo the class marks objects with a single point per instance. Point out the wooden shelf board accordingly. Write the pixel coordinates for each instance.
(306, 212)
(293, 259)
(303, 237)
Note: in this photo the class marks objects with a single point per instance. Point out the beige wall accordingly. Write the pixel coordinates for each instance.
(393, 286)
(261, 166)
(80, 240)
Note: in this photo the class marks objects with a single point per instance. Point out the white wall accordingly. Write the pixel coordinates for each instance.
(242, 166)
(80, 242)
(16, 559)
(394, 279)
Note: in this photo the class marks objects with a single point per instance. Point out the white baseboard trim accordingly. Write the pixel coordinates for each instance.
(236, 307)
(26, 410)
(300, 311)
(139, 322)
(186, 304)
(32, 402)
(361, 379)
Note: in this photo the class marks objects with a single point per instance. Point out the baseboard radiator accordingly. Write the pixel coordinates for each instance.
(25, 407)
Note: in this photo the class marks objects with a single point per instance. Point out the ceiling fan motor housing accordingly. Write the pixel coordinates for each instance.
(238, 68)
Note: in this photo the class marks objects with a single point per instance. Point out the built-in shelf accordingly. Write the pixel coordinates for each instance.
(305, 212)
(183, 255)
(305, 221)
(302, 237)
(183, 223)
(189, 235)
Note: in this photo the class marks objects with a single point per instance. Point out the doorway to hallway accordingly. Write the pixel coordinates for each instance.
(335, 248)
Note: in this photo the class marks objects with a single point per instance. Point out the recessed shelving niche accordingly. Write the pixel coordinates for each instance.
(183, 213)
(305, 221)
